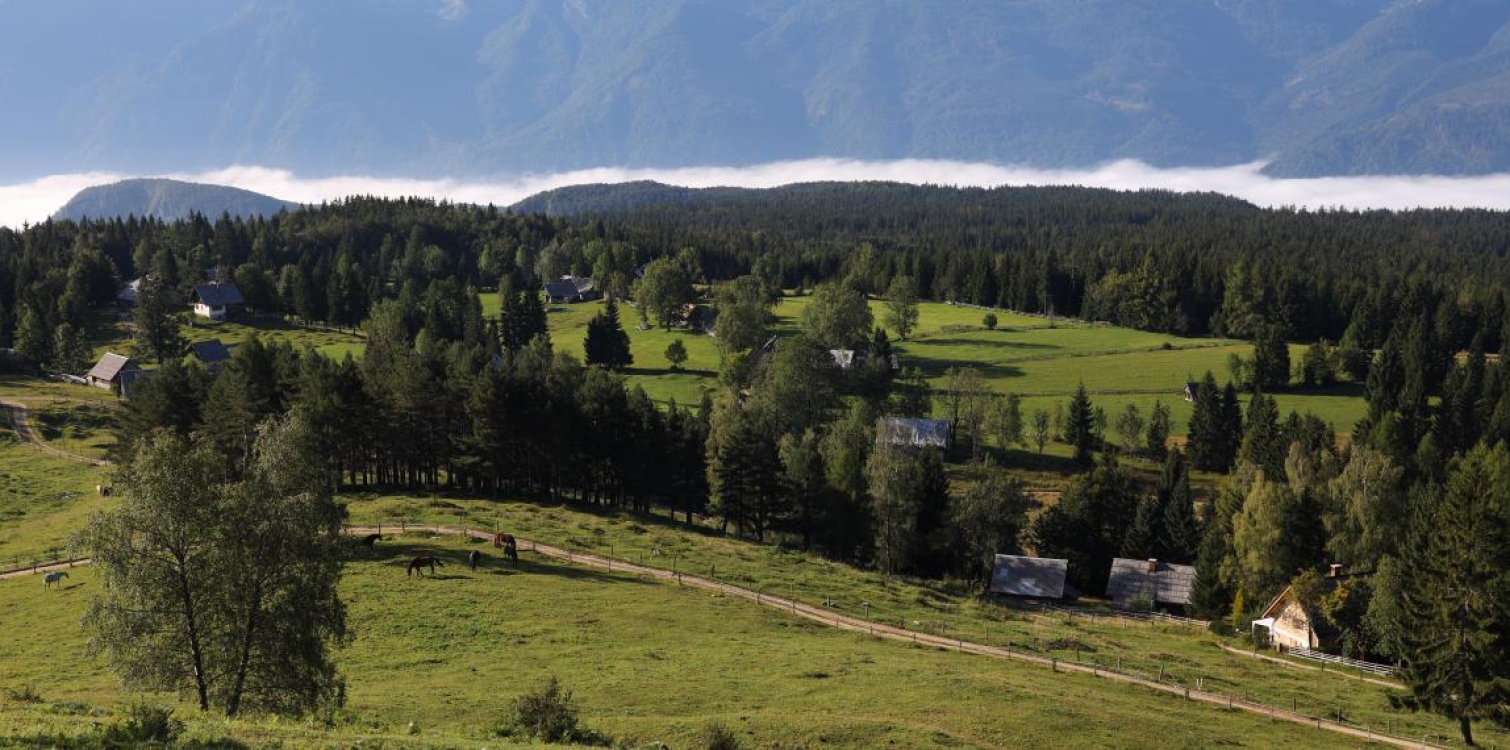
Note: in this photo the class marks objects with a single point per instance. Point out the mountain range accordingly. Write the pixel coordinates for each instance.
(453, 88)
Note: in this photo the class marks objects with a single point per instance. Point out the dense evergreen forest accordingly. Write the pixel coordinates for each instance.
(1411, 305)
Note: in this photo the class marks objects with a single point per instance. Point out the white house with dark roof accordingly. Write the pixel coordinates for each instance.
(1032, 577)
(215, 300)
(111, 371)
(917, 432)
(1162, 582)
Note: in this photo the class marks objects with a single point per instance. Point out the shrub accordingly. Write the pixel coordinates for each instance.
(144, 725)
(718, 736)
(548, 715)
(989, 321)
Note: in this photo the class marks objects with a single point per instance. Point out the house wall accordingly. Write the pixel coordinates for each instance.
(1291, 628)
(205, 311)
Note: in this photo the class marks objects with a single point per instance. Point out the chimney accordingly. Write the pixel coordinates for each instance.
(1334, 570)
(1153, 565)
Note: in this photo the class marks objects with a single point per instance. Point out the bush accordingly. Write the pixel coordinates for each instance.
(718, 736)
(145, 725)
(989, 321)
(548, 715)
(24, 694)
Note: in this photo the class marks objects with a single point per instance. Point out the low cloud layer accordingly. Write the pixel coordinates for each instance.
(35, 201)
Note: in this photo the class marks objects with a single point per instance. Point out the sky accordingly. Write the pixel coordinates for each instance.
(36, 200)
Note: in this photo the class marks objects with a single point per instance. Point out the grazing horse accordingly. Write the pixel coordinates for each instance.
(56, 576)
(420, 563)
(509, 544)
(473, 557)
(370, 541)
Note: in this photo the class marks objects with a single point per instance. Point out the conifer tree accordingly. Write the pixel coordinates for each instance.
(1263, 442)
(1181, 532)
(1159, 427)
(1206, 439)
(1456, 596)
(1079, 429)
(1142, 537)
(607, 344)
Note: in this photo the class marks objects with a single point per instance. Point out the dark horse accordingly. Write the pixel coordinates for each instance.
(420, 563)
(509, 544)
(370, 541)
(473, 557)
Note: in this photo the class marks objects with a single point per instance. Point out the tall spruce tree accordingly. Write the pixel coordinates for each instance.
(1456, 596)
(1080, 428)
(1263, 443)
(607, 344)
(1206, 439)
(1181, 536)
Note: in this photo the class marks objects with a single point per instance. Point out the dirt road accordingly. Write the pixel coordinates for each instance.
(21, 422)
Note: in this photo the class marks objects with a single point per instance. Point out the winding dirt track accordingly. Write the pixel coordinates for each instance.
(857, 625)
(22, 425)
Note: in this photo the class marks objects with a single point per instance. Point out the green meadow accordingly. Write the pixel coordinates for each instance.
(1041, 360)
(435, 662)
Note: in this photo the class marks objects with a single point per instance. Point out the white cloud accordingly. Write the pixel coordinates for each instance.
(34, 201)
(451, 10)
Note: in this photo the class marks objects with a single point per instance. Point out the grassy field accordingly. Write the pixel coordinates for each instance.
(1023, 356)
(43, 500)
(648, 663)
(1185, 655)
(333, 344)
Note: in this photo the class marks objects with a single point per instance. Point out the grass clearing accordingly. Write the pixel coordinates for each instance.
(648, 662)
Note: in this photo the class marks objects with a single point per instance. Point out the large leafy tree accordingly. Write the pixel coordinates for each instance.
(902, 306)
(664, 288)
(989, 519)
(838, 317)
(1456, 596)
(222, 589)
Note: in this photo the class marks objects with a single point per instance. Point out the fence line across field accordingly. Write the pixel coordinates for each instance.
(878, 625)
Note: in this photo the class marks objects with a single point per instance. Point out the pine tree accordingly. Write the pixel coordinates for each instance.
(1263, 442)
(1142, 537)
(1181, 537)
(1159, 427)
(1230, 432)
(1079, 429)
(1456, 596)
(1206, 440)
(157, 325)
(32, 341)
(607, 344)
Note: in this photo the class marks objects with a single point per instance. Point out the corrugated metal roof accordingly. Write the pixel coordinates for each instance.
(913, 431)
(1166, 583)
(110, 366)
(1017, 575)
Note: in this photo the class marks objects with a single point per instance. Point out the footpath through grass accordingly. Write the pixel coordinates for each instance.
(648, 663)
(1183, 655)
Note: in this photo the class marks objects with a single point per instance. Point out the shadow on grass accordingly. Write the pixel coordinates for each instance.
(398, 555)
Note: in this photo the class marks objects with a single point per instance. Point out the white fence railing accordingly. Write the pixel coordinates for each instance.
(1383, 670)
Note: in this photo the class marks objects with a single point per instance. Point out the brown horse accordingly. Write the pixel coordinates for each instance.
(509, 544)
(370, 541)
(420, 563)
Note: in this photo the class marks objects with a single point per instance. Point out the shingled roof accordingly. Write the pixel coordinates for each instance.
(1018, 575)
(218, 295)
(1165, 582)
(109, 367)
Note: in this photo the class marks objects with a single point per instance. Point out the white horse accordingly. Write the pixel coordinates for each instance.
(56, 576)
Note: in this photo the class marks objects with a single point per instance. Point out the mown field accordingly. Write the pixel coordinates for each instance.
(1024, 355)
(435, 662)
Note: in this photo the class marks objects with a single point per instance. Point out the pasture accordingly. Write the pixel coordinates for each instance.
(1184, 655)
(1023, 355)
(434, 663)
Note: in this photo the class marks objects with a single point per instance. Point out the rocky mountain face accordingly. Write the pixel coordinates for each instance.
(466, 88)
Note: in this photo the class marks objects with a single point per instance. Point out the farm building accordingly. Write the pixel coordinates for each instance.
(1034, 577)
(215, 300)
(212, 354)
(111, 372)
(133, 379)
(1290, 626)
(848, 359)
(570, 289)
(1162, 582)
(913, 431)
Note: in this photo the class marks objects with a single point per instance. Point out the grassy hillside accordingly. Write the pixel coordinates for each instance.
(648, 662)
